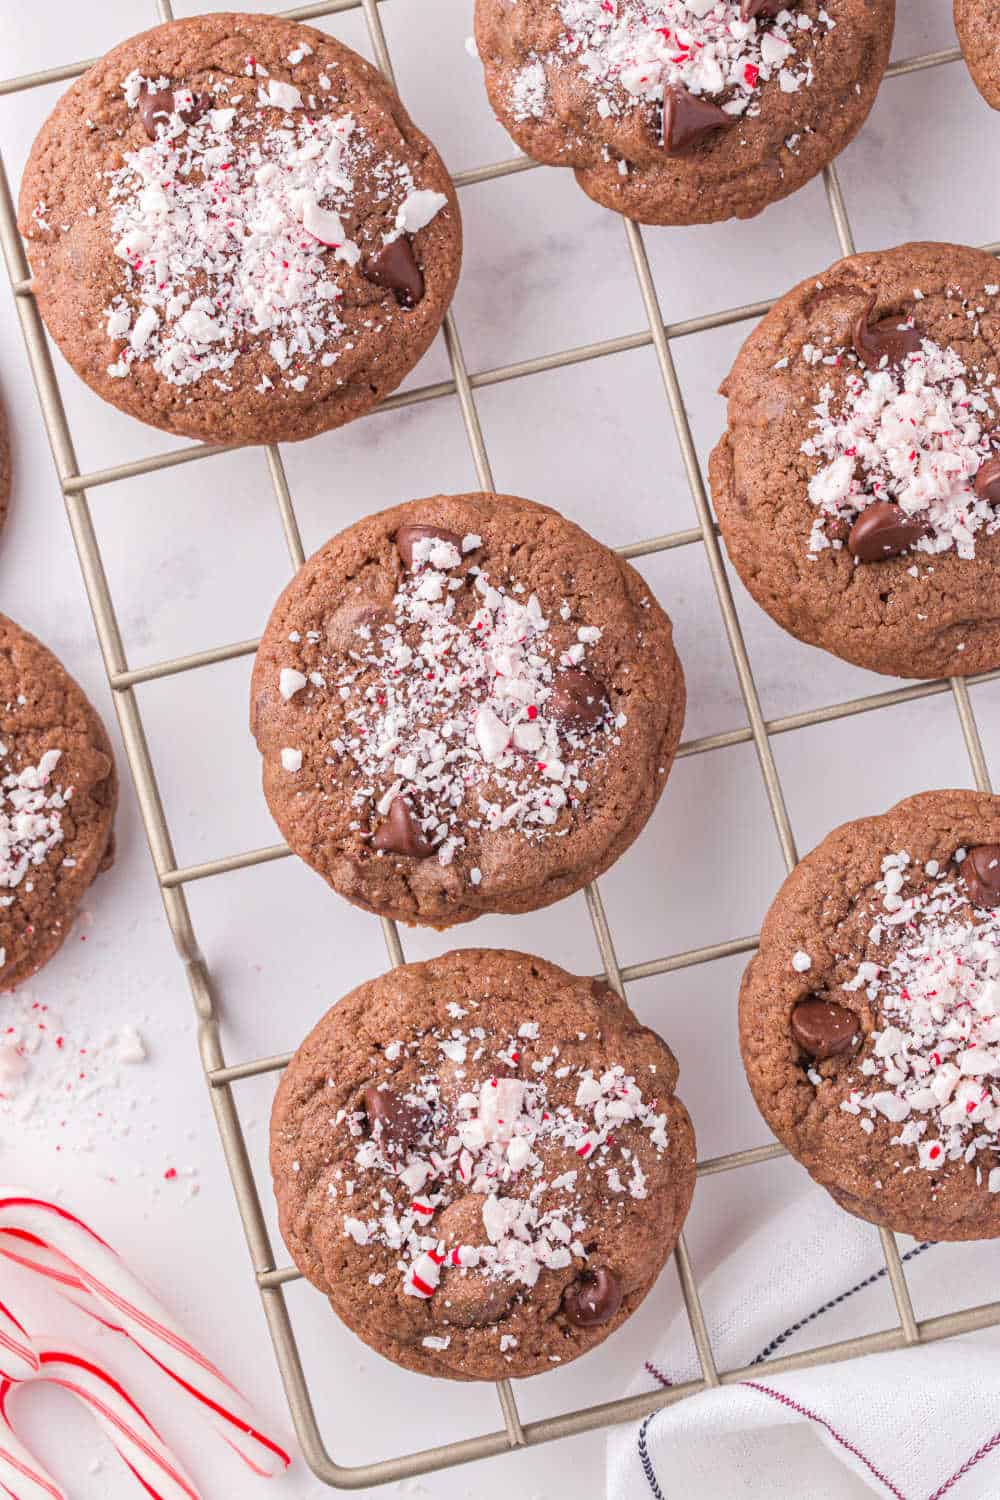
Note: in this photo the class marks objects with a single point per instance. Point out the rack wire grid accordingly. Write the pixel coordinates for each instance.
(220, 1075)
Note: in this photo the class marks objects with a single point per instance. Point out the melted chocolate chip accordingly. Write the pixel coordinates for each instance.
(401, 833)
(401, 1124)
(342, 628)
(881, 531)
(987, 482)
(155, 108)
(467, 1299)
(593, 1299)
(981, 869)
(191, 113)
(687, 120)
(578, 700)
(395, 268)
(884, 340)
(824, 1029)
(407, 536)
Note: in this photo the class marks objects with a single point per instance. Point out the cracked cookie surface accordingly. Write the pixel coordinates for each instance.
(464, 704)
(870, 1016)
(480, 1160)
(58, 792)
(687, 111)
(978, 25)
(236, 232)
(853, 484)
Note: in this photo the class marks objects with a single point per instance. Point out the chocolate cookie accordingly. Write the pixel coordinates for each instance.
(5, 468)
(481, 1162)
(686, 111)
(58, 791)
(236, 232)
(464, 704)
(858, 483)
(978, 25)
(870, 1017)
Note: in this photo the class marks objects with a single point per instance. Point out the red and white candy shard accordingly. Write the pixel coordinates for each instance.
(934, 1065)
(497, 1139)
(424, 1274)
(224, 226)
(323, 223)
(418, 209)
(916, 437)
(458, 722)
(628, 51)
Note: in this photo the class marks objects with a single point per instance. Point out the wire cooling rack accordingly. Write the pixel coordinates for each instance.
(220, 1075)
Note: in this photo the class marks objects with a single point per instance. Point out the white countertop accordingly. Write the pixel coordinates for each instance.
(195, 558)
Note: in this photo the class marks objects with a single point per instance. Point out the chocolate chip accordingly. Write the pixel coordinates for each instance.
(402, 1124)
(881, 531)
(395, 268)
(687, 120)
(407, 536)
(874, 342)
(981, 869)
(401, 833)
(345, 624)
(577, 699)
(769, 8)
(469, 1298)
(593, 1299)
(987, 482)
(824, 1029)
(155, 107)
(200, 105)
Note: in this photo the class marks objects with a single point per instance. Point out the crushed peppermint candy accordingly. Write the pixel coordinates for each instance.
(31, 817)
(448, 705)
(497, 1153)
(629, 52)
(915, 436)
(932, 1064)
(231, 229)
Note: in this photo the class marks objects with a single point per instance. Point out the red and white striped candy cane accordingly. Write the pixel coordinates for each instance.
(135, 1438)
(18, 1360)
(56, 1244)
(21, 1475)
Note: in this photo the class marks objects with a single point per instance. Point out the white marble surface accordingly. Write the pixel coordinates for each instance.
(195, 557)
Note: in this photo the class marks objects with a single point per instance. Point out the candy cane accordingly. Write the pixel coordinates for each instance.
(52, 1242)
(135, 1438)
(18, 1359)
(21, 1475)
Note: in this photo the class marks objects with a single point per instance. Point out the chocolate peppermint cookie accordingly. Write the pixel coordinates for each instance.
(858, 484)
(870, 1017)
(684, 111)
(236, 232)
(5, 467)
(58, 791)
(481, 1162)
(978, 25)
(464, 704)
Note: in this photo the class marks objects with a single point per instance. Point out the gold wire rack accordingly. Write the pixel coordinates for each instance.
(220, 1075)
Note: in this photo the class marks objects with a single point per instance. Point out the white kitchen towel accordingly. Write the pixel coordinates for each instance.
(914, 1424)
